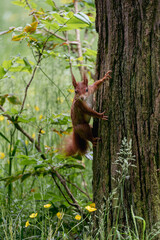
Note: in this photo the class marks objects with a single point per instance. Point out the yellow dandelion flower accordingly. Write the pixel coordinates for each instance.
(27, 224)
(78, 217)
(33, 215)
(90, 209)
(70, 90)
(93, 205)
(42, 131)
(1, 118)
(41, 116)
(47, 205)
(2, 155)
(60, 215)
(36, 108)
(33, 135)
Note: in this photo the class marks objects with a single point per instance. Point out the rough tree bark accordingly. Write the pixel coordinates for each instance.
(129, 46)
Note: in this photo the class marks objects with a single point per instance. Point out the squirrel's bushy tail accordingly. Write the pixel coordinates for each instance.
(75, 144)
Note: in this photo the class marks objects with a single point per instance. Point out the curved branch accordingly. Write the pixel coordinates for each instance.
(63, 182)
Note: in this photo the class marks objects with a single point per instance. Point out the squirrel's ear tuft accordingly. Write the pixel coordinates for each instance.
(85, 79)
(73, 81)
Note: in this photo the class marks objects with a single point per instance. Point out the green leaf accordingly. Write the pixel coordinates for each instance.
(24, 61)
(19, 3)
(26, 160)
(13, 99)
(90, 52)
(27, 64)
(70, 14)
(59, 19)
(3, 99)
(2, 72)
(19, 69)
(22, 3)
(51, 3)
(24, 119)
(7, 64)
(12, 111)
(40, 166)
(50, 25)
(83, 17)
(75, 22)
(61, 119)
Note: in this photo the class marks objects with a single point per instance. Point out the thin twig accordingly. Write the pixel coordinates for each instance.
(78, 38)
(73, 184)
(52, 33)
(26, 90)
(56, 86)
(27, 3)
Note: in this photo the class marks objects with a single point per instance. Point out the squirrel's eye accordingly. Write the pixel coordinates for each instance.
(76, 91)
(86, 89)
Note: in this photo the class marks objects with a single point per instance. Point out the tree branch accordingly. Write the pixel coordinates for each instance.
(72, 204)
(33, 74)
(63, 182)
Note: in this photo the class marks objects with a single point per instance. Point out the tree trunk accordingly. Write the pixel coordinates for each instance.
(129, 46)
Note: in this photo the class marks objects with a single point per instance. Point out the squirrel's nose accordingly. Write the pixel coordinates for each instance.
(82, 97)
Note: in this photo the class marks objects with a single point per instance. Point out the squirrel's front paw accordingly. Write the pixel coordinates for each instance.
(107, 74)
(103, 117)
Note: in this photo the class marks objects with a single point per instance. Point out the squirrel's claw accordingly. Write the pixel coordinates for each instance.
(107, 74)
(103, 117)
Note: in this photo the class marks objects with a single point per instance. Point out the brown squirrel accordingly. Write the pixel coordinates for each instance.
(81, 112)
